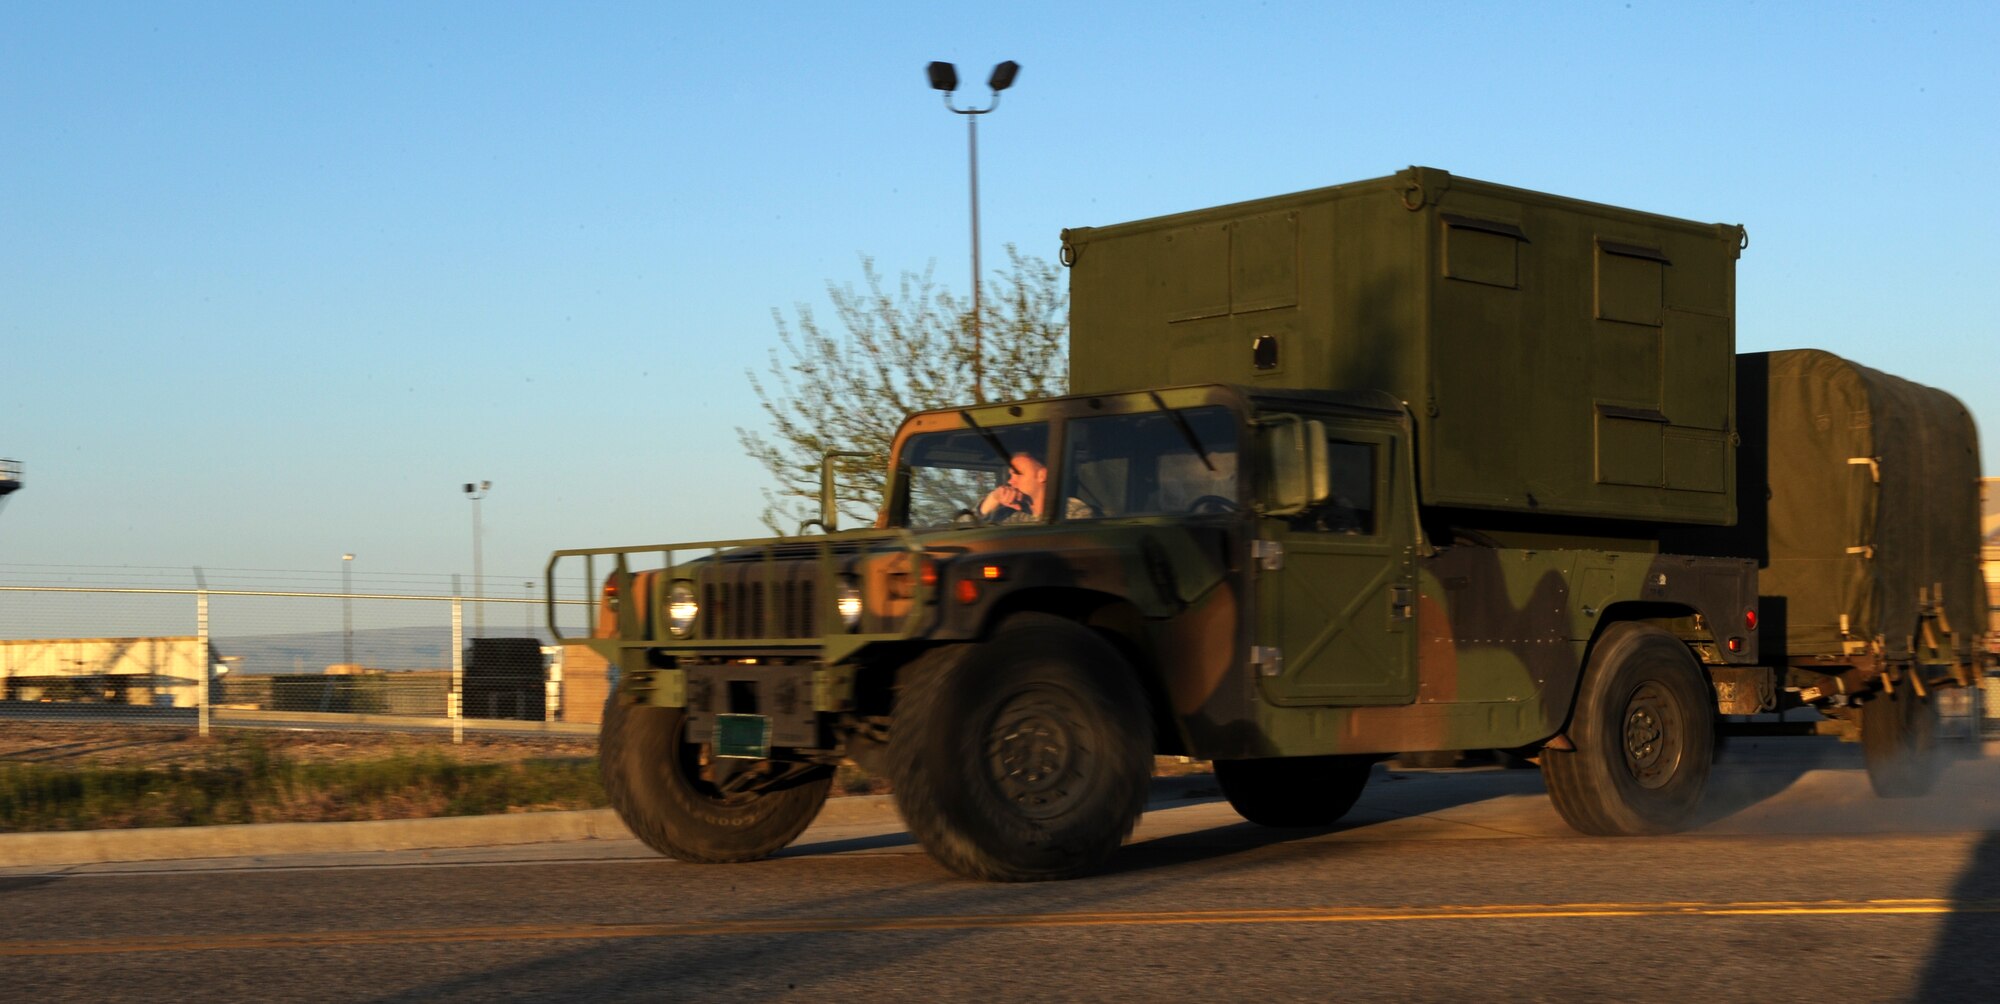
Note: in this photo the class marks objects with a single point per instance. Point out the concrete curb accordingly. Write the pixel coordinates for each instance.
(170, 843)
(162, 843)
(82, 847)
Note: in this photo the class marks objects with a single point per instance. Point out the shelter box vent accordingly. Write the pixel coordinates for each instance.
(1559, 356)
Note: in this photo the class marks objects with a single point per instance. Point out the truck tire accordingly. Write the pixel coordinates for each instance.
(1024, 758)
(1293, 790)
(1899, 743)
(1644, 732)
(654, 780)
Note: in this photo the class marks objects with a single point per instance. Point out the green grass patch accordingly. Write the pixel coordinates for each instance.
(243, 781)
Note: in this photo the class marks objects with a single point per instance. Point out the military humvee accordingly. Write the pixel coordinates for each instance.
(1412, 464)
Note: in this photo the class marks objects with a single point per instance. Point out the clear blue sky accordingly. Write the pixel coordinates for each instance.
(276, 279)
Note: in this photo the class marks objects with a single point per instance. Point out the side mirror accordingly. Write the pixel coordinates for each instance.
(1295, 462)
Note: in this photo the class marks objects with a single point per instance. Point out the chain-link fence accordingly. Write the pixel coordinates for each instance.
(421, 658)
(272, 658)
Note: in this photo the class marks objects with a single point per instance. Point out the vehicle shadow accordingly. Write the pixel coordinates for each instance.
(844, 845)
(911, 884)
(1750, 771)
(1959, 967)
(1391, 796)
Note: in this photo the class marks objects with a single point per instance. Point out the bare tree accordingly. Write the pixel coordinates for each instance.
(848, 387)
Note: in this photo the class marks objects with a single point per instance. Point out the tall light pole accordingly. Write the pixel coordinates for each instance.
(944, 77)
(475, 492)
(528, 618)
(346, 609)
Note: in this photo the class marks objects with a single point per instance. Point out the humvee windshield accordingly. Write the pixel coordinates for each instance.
(1152, 463)
(946, 473)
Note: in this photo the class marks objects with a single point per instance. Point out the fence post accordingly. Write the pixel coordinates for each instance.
(207, 670)
(455, 707)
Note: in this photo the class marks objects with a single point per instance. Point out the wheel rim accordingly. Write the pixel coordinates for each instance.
(1033, 754)
(1652, 732)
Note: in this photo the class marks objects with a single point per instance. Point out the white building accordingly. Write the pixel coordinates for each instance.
(158, 672)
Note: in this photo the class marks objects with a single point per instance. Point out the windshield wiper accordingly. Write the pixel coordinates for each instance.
(999, 448)
(1187, 431)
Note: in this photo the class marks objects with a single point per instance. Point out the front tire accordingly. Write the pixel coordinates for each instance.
(1899, 743)
(656, 782)
(1293, 791)
(1024, 758)
(1644, 732)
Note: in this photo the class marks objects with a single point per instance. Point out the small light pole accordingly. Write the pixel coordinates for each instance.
(528, 612)
(347, 609)
(944, 77)
(475, 492)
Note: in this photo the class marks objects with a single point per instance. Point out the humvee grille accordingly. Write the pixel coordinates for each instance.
(738, 607)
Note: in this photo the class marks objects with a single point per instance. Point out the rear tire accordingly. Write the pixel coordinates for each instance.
(1025, 758)
(1295, 790)
(1899, 743)
(655, 782)
(1644, 732)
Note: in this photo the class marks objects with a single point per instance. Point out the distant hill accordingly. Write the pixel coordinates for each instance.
(375, 648)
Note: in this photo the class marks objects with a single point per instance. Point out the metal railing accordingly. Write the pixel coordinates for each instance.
(777, 593)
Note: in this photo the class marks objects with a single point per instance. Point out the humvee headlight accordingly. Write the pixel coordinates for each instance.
(682, 609)
(848, 604)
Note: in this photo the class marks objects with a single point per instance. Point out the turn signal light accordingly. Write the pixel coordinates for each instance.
(992, 573)
(1750, 619)
(1736, 644)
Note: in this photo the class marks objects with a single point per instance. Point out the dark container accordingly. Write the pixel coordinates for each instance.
(506, 678)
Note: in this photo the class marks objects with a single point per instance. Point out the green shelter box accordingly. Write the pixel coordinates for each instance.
(1558, 356)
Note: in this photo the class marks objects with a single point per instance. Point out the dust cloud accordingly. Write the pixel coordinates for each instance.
(1819, 785)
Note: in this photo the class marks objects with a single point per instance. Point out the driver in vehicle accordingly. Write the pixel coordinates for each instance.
(1025, 494)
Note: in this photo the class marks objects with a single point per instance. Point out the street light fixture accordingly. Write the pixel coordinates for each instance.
(346, 610)
(475, 492)
(10, 479)
(944, 77)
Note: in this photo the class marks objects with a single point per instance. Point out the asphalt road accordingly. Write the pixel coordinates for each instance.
(1442, 886)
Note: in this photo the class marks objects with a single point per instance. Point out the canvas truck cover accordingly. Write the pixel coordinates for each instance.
(1859, 495)
(1559, 356)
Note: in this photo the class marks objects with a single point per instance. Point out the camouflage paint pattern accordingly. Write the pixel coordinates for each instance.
(1502, 637)
(1498, 636)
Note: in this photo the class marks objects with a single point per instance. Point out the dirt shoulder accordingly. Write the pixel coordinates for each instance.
(161, 746)
(70, 776)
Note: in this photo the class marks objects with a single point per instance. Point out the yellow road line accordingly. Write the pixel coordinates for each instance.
(967, 922)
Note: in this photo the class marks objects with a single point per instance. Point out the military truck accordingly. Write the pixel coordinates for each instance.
(1412, 464)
